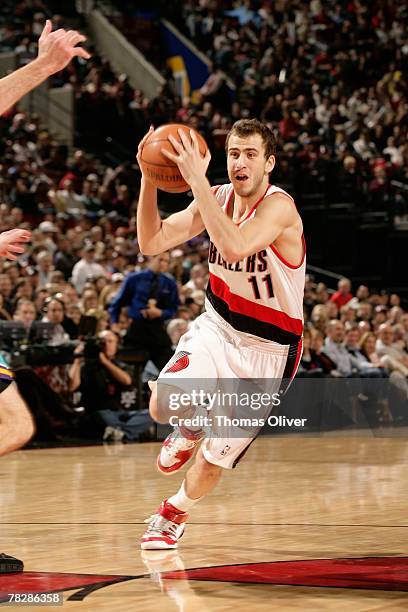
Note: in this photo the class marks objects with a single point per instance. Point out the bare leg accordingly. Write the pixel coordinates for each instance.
(160, 410)
(202, 477)
(16, 423)
(167, 526)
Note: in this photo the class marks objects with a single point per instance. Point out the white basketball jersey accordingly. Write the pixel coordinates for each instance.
(262, 294)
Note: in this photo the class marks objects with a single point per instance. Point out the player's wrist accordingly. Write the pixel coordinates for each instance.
(41, 66)
(146, 184)
(199, 182)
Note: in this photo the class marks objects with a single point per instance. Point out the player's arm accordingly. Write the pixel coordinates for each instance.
(156, 235)
(274, 215)
(55, 51)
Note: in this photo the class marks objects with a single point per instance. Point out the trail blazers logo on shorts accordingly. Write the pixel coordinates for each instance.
(180, 362)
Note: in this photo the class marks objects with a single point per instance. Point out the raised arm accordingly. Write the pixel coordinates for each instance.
(55, 51)
(156, 235)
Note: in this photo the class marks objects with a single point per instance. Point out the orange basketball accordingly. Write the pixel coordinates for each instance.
(160, 170)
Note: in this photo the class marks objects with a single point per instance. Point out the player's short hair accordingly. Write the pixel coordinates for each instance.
(246, 127)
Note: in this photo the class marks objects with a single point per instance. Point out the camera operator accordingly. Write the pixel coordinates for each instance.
(103, 384)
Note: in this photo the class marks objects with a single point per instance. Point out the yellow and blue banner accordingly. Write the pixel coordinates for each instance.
(189, 67)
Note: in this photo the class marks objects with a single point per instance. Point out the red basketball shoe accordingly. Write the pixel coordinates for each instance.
(177, 449)
(165, 528)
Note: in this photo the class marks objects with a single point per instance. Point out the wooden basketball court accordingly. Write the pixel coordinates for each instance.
(336, 505)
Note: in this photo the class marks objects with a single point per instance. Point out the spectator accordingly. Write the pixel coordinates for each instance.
(86, 268)
(4, 314)
(66, 200)
(151, 296)
(89, 301)
(364, 147)
(175, 329)
(48, 230)
(197, 278)
(334, 348)
(361, 297)
(54, 311)
(25, 312)
(367, 348)
(365, 365)
(364, 311)
(397, 377)
(398, 359)
(319, 317)
(317, 346)
(380, 316)
(343, 293)
(64, 259)
(312, 361)
(44, 268)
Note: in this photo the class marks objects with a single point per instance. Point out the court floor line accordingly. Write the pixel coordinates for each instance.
(94, 523)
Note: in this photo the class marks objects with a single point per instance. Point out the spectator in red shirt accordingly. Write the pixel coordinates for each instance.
(343, 293)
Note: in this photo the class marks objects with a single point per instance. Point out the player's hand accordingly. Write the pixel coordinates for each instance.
(56, 49)
(12, 243)
(188, 158)
(139, 150)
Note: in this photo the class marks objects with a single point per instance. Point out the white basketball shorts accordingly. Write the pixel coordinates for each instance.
(214, 354)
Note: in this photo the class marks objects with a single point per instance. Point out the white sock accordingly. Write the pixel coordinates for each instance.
(181, 501)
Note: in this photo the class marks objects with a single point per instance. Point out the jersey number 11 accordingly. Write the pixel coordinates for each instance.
(268, 283)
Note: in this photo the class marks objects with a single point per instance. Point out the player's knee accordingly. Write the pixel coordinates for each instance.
(206, 469)
(22, 428)
(158, 411)
(160, 407)
(17, 424)
(16, 435)
(24, 431)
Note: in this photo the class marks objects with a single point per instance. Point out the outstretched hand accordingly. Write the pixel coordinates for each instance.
(190, 162)
(56, 49)
(12, 243)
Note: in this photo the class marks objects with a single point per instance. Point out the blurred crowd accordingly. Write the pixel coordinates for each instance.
(361, 335)
(333, 89)
(329, 78)
(103, 99)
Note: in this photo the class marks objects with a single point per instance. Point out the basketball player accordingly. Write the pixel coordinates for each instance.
(253, 324)
(55, 51)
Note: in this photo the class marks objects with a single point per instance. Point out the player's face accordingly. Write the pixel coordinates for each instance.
(247, 166)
